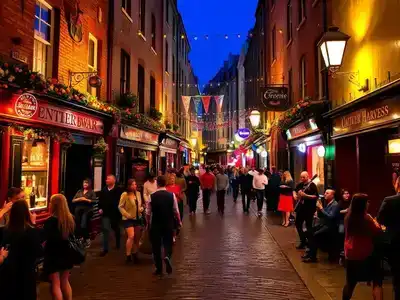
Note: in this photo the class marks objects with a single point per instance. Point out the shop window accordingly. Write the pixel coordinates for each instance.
(42, 37)
(35, 172)
(92, 61)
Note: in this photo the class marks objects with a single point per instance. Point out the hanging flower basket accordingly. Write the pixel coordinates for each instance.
(155, 114)
(100, 148)
(292, 114)
(175, 127)
(168, 125)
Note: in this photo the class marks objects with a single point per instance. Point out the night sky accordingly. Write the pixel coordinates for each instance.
(215, 18)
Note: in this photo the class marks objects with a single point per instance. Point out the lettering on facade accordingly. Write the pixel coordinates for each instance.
(365, 116)
(301, 129)
(26, 105)
(276, 97)
(18, 56)
(134, 134)
(170, 143)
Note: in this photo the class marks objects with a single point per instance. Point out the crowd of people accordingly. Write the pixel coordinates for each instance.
(337, 223)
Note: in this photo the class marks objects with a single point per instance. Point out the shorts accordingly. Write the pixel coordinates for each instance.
(131, 223)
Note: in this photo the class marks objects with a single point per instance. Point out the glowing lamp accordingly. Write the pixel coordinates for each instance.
(332, 45)
(321, 151)
(302, 148)
(194, 141)
(394, 146)
(255, 118)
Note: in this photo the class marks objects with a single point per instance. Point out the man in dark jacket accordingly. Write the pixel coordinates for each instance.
(161, 213)
(389, 216)
(273, 190)
(246, 184)
(193, 189)
(108, 205)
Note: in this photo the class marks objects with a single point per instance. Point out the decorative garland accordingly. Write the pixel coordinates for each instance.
(292, 114)
(100, 148)
(38, 133)
(16, 77)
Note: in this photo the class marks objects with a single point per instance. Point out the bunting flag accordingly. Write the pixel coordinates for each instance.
(219, 101)
(206, 102)
(186, 103)
(197, 104)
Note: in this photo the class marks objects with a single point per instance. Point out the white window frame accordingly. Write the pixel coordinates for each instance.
(303, 76)
(92, 90)
(46, 44)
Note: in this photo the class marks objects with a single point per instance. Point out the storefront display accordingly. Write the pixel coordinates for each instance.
(168, 154)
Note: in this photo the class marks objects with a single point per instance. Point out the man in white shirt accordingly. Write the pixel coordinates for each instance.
(259, 183)
(149, 187)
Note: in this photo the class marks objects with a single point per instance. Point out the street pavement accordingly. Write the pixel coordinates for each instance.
(230, 257)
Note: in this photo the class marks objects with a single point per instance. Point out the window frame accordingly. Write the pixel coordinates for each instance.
(126, 6)
(94, 68)
(303, 77)
(273, 43)
(142, 17)
(302, 11)
(166, 57)
(125, 72)
(289, 21)
(153, 32)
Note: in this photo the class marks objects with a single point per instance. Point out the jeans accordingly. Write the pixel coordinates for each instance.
(304, 214)
(193, 202)
(221, 201)
(108, 224)
(326, 239)
(206, 199)
(246, 205)
(260, 199)
(81, 219)
(161, 239)
(235, 188)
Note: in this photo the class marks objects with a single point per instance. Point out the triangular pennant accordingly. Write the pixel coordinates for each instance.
(197, 104)
(206, 102)
(186, 103)
(219, 100)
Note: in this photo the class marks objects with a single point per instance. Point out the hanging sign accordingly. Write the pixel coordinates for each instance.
(244, 133)
(276, 97)
(302, 129)
(134, 134)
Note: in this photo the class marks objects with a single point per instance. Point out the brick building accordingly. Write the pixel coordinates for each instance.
(38, 33)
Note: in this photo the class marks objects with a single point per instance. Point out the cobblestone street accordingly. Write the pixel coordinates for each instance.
(233, 257)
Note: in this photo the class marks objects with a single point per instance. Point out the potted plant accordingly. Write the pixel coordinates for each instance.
(128, 100)
(100, 148)
(175, 127)
(155, 114)
(168, 125)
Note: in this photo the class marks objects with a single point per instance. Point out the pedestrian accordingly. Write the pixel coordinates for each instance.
(193, 188)
(162, 212)
(207, 181)
(273, 193)
(181, 181)
(362, 262)
(149, 187)
(83, 201)
(325, 232)
(389, 217)
(285, 205)
(131, 208)
(344, 204)
(22, 240)
(172, 187)
(222, 185)
(13, 194)
(57, 261)
(306, 196)
(260, 181)
(108, 205)
(246, 184)
(235, 183)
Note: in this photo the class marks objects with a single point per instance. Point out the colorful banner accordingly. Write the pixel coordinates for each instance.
(186, 103)
(206, 102)
(197, 105)
(219, 100)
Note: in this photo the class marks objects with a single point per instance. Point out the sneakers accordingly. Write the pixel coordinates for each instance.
(168, 266)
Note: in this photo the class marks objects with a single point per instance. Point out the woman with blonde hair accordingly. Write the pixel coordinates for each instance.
(131, 208)
(286, 197)
(57, 261)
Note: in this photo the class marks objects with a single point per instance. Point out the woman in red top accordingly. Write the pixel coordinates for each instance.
(176, 189)
(362, 263)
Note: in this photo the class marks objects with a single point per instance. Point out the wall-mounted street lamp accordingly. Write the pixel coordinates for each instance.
(333, 46)
(194, 141)
(255, 118)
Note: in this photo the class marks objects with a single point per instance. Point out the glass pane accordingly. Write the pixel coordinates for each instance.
(91, 53)
(37, 10)
(36, 26)
(34, 179)
(45, 14)
(45, 31)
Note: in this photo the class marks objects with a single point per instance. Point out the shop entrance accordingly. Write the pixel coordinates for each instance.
(78, 167)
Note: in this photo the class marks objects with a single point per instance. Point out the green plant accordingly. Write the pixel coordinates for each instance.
(100, 148)
(168, 125)
(155, 114)
(128, 100)
(175, 127)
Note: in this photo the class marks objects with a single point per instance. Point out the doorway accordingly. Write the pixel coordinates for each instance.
(78, 167)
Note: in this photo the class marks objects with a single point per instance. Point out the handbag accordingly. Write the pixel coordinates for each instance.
(76, 250)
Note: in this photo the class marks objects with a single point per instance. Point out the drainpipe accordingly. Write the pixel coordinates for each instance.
(110, 43)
